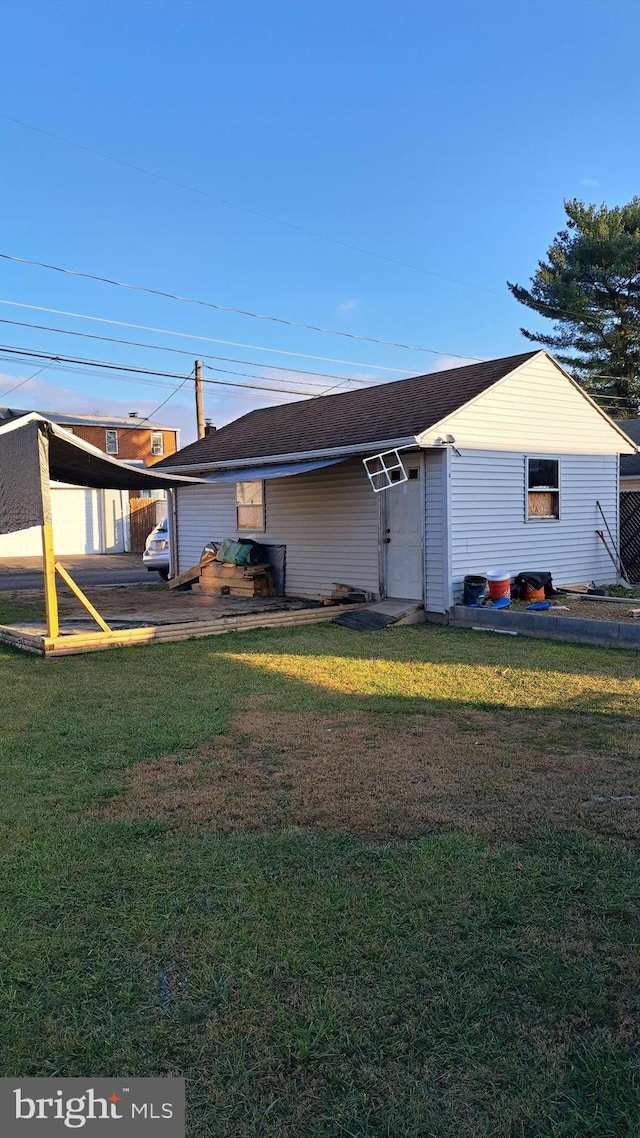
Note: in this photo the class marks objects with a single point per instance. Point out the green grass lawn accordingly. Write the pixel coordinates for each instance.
(348, 885)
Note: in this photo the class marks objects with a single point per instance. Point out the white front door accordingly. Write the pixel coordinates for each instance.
(403, 513)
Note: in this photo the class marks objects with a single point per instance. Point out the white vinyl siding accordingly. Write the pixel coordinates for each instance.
(535, 409)
(328, 520)
(488, 527)
(435, 544)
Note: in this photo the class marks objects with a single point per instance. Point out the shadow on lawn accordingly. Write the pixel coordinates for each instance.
(335, 748)
(384, 736)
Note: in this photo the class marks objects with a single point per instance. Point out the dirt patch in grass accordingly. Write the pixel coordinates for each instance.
(392, 777)
(588, 609)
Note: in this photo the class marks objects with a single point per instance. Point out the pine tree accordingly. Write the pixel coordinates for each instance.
(590, 287)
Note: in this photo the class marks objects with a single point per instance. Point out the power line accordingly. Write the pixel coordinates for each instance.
(29, 353)
(174, 392)
(15, 361)
(212, 340)
(137, 381)
(178, 351)
(228, 309)
(250, 210)
(203, 339)
(23, 381)
(554, 311)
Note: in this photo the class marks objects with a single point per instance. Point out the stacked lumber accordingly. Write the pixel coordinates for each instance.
(219, 579)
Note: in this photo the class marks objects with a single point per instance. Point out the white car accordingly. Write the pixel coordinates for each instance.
(156, 550)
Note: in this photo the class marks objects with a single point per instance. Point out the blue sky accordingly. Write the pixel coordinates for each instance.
(443, 135)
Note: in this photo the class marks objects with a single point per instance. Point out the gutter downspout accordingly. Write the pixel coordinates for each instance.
(172, 518)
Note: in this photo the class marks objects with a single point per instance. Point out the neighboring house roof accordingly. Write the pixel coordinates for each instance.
(630, 463)
(70, 459)
(380, 414)
(66, 419)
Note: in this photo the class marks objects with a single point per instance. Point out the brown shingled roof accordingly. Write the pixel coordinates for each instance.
(382, 413)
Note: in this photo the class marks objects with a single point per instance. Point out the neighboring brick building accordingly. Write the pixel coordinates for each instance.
(130, 438)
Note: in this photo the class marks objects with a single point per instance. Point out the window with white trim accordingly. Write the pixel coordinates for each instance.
(543, 489)
(157, 442)
(250, 505)
(111, 442)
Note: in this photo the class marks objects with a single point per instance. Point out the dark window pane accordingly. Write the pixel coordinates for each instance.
(543, 473)
(413, 474)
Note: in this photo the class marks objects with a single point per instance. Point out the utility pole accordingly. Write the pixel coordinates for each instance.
(199, 400)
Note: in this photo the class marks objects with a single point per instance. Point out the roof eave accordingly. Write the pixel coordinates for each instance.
(297, 456)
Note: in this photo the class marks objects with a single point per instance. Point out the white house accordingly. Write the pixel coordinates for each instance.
(505, 461)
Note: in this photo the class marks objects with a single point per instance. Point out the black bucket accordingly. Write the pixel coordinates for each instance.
(474, 590)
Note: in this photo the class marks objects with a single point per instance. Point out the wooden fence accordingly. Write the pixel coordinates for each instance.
(142, 516)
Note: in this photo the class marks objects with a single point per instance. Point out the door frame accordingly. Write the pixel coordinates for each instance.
(382, 521)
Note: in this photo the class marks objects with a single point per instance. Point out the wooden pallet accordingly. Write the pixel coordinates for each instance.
(215, 579)
(236, 580)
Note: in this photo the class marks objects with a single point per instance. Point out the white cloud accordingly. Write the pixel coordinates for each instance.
(348, 305)
(221, 405)
(38, 395)
(446, 362)
(589, 182)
